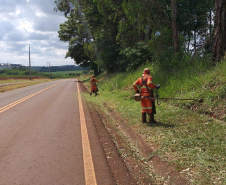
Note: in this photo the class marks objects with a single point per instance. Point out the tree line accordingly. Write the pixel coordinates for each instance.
(120, 35)
(23, 71)
(58, 68)
(17, 71)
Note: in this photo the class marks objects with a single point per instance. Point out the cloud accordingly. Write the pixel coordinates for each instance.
(38, 36)
(50, 24)
(34, 23)
(5, 27)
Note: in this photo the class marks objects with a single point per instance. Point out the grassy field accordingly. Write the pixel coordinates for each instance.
(19, 83)
(189, 134)
(63, 74)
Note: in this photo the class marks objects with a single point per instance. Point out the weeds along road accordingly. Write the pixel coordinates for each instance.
(47, 138)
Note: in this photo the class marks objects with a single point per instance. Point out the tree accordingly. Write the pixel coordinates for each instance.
(65, 6)
(194, 23)
(122, 35)
(75, 31)
(174, 26)
(219, 47)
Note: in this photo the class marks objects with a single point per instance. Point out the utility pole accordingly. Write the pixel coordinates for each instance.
(49, 69)
(29, 63)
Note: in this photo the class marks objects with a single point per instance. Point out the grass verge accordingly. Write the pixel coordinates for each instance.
(187, 134)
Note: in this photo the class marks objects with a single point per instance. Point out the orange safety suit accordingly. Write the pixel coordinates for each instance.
(93, 83)
(146, 104)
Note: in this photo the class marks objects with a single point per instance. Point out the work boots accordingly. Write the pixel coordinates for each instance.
(93, 92)
(151, 118)
(144, 117)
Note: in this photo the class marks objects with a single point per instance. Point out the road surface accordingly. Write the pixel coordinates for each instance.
(46, 138)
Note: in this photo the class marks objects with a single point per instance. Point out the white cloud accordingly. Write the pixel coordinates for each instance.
(34, 23)
(40, 14)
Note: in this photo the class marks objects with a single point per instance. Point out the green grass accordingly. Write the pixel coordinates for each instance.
(185, 135)
(19, 83)
(63, 74)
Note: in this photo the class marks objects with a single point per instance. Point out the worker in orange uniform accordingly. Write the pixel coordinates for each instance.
(146, 87)
(93, 83)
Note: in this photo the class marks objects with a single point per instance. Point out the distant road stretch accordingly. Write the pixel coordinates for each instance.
(44, 138)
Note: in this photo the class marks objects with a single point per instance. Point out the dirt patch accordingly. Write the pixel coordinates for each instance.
(217, 112)
(145, 166)
(162, 168)
(118, 168)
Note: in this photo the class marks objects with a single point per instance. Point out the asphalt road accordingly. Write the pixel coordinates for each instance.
(44, 139)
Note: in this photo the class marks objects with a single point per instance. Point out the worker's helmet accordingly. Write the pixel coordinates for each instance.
(146, 71)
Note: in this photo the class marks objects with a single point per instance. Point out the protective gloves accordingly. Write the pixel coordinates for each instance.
(158, 86)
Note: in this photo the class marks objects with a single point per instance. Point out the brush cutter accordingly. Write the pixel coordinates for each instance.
(100, 87)
(138, 97)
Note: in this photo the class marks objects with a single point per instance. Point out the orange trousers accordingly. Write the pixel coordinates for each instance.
(146, 106)
(93, 88)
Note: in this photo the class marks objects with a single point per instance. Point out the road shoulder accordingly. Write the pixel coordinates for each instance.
(133, 150)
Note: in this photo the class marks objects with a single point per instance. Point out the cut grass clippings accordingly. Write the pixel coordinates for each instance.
(184, 138)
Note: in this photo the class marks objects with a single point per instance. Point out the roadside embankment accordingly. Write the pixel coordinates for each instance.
(185, 137)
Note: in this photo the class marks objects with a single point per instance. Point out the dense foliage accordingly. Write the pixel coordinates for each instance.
(67, 71)
(124, 34)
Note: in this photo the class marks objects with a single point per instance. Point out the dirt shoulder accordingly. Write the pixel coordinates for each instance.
(118, 167)
(133, 150)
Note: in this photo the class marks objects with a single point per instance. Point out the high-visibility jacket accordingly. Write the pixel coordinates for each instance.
(144, 85)
(140, 84)
(93, 83)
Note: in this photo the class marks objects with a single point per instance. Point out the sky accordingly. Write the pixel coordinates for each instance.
(34, 23)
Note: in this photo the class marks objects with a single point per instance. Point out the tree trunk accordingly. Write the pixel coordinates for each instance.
(142, 36)
(219, 46)
(210, 26)
(95, 69)
(149, 36)
(195, 41)
(189, 41)
(174, 26)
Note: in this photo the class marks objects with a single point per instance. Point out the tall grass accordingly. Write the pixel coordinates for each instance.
(188, 80)
(196, 80)
(194, 142)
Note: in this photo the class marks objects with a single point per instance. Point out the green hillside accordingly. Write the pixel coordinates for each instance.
(188, 134)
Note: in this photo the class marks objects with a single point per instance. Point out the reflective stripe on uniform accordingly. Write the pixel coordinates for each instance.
(136, 85)
(146, 108)
(149, 82)
(146, 88)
